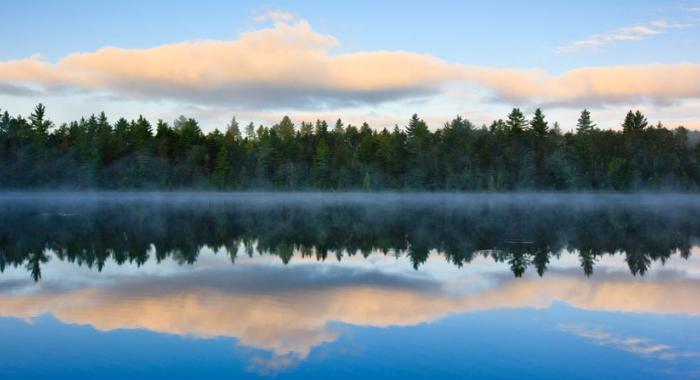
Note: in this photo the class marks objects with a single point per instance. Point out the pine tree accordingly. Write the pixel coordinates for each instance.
(634, 121)
(538, 124)
(458, 156)
(140, 131)
(190, 133)
(417, 145)
(285, 127)
(179, 122)
(539, 146)
(250, 131)
(417, 128)
(516, 122)
(233, 131)
(37, 120)
(584, 123)
(339, 128)
(306, 129)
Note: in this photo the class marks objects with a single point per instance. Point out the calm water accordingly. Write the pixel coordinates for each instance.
(357, 286)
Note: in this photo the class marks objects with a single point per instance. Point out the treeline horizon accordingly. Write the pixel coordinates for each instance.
(528, 236)
(515, 153)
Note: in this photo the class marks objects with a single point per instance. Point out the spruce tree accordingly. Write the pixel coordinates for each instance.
(516, 122)
(634, 121)
(233, 130)
(250, 131)
(37, 120)
(538, 124)
(584, 123)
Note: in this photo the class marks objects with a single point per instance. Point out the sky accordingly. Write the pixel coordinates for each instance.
(358, 61)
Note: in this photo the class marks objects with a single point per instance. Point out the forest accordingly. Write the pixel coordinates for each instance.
(515, 153)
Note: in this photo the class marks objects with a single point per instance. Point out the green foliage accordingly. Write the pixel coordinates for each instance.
(285, 128)
(516, 122)
(37, 121)
(222, 168)
(507, 155)
(634, 121)
(538, 124)
(233, 130)
(584, 123)
(619, 173)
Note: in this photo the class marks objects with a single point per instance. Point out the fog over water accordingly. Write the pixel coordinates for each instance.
(315, 198)
(298, 283)
(520, 228)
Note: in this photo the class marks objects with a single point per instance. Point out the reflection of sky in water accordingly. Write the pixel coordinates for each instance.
(369, 317)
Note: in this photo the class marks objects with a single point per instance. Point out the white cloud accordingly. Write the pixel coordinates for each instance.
(628, 33)
(292, 66)
(288, 64)
(637, 345)
(275, 15)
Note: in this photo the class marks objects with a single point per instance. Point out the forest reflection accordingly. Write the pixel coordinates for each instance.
(526, 233)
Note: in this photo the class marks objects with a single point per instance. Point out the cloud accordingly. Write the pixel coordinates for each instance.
(268, 366)
(637, 345)
(593, 86)
(275, 15)
(290, 316)
(11, 89)
(629, 33)
(290, 65)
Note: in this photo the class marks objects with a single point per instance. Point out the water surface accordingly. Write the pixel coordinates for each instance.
(306, 286)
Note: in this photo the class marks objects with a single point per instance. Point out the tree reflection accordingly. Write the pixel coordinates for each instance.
(519, 234)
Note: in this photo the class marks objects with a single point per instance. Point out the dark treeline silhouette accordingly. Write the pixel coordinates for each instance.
(525, 234)
(515, 153)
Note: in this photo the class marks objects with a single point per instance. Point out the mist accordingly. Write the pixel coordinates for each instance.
(526, 230)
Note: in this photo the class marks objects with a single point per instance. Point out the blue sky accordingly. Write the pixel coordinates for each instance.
(553, 37)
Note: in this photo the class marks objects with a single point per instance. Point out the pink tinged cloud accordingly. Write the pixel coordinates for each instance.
(594, 85)
(291, 65)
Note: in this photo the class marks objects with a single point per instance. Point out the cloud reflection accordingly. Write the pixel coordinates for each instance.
(287, 310)
(637, 345)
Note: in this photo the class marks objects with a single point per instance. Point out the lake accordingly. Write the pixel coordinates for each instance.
(349, 286)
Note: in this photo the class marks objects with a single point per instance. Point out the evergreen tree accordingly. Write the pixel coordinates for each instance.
(179, 122)
(634, 121)
(584, 123)
(233, 131)
(140, 132)
(250, 131)
(516, 121)
(339, 128)
(306, 129)
(190, 133)
(417, 146)
(37, 120)
(538, 124)
(285, 128)
(92, 153)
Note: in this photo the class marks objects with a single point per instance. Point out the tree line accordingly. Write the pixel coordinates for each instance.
(515, 153)
(525, 235)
